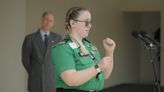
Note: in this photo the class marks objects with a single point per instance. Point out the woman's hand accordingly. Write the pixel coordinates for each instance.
(109, 46)
(105, 62)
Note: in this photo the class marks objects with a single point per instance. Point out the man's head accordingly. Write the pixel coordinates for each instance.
(47, 21)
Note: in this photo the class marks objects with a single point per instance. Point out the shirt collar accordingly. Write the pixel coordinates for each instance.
(67, 38)
(43, 32)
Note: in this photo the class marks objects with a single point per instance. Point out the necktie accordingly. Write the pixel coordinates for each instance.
(46, 40)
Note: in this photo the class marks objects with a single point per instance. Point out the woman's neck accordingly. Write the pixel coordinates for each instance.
(78, 40)
(76, 37)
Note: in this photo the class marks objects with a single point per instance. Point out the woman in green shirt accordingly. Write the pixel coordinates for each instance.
(77, 62)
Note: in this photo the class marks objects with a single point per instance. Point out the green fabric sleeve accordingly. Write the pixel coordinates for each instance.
(63, 58)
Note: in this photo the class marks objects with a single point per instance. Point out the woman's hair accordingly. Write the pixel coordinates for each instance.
(72, 14)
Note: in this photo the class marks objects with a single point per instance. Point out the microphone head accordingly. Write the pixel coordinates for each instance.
(143, 33)
(135, 34)
(147, 36)
(138, 35)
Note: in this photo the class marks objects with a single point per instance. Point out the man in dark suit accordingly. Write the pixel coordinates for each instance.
(36, 56)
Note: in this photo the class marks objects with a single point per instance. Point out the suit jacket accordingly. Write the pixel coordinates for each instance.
(36, 59)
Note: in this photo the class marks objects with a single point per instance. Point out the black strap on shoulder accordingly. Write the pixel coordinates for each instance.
(87, 40)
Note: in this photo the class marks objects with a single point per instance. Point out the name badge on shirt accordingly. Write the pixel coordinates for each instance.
(73, 45)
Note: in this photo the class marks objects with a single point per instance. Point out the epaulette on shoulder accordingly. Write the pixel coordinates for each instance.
(60, 43)
(63, 42)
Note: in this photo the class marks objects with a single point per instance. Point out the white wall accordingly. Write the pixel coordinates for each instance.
(126, 61)
(12, 30)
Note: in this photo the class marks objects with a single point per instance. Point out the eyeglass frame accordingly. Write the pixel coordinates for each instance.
(86, 22)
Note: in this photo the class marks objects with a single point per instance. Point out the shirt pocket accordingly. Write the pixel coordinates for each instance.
(83, 62)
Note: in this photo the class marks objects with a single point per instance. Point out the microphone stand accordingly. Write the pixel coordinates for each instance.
(152, 47)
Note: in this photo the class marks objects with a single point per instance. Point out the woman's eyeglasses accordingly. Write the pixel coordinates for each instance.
(87, 23)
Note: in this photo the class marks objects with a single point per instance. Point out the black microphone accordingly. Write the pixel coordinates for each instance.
(139, 36)
(145, 35)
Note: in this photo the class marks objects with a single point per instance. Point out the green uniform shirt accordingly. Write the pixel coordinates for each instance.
(66, 56)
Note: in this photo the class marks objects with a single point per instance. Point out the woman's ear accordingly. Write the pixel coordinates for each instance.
(72, 23)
